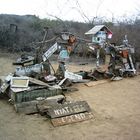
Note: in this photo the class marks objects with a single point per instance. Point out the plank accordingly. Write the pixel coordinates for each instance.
(72, 119)
(50, 51)
(72, 76)
(43, 106)
(94, 83)
(26, 107)
(38, 82)
(68, 109)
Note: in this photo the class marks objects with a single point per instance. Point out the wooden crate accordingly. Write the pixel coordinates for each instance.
(29, 95)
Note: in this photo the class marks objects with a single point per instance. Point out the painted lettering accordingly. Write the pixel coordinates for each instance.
(78, 117)
(82, 115)
(56, 112)
(66, 108)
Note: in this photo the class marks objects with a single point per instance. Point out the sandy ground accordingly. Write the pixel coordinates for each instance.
(115, 106)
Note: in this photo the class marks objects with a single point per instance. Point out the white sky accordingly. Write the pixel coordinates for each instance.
(70, 9)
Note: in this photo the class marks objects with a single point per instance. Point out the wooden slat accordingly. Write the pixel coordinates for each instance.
(38, 82)
(26, 107)
(68, 109)
(94, 83)
(71, 119)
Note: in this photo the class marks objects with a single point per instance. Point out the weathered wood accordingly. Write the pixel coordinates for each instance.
(94, 83)
(30, 95)
(69, 89)
(56, 98)
(38, 82)
(68, 109)
(43, 105)
(26, 107)
(4, 87)
(71, 119)
(65, 82)
(80, 81)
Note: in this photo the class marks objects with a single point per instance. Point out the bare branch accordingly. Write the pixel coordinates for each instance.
(59, 20)
(81, 11)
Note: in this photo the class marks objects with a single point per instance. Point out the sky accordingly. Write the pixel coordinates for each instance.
(76, 10)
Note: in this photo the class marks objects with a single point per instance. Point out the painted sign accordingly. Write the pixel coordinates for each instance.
(68, 109)
(49, 52)
(27, 71)
(71, 119)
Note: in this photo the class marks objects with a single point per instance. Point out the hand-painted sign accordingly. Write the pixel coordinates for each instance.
(49, 52)
(72, 119)
(28, 70)
(68, 109)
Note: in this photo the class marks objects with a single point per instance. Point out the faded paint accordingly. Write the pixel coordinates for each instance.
(72, 119)
(49, 52)
(68, 109)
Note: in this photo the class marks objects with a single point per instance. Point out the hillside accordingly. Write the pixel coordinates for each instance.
(17, 33)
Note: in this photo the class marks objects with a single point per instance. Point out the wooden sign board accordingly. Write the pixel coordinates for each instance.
(26, 107)
(28, 70)
(38, 82)
(49, 52)
(72, 119)
(68, 109)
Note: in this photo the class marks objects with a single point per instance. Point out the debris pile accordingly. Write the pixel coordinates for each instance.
(32, 88)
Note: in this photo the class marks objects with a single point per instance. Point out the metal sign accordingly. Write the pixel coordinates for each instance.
(72, 119)
(49, 52)
(72, 76)
(68, 109)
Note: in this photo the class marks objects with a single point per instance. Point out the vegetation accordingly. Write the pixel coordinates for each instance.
(17, 33)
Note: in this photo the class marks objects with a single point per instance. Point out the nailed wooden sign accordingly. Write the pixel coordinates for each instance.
(3, 87)
(68, 109)
(71, 119)
(26, 71)
(49, 52)
(38, 82)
